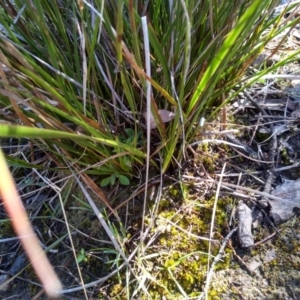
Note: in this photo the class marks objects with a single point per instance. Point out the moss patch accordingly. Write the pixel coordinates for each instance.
(176, 261)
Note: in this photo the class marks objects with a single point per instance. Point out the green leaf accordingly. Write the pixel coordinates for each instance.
(112, 179)
(81, 256)
(105, 181)
(123, 179)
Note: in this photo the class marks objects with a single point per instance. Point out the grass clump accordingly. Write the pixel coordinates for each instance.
(79, 71)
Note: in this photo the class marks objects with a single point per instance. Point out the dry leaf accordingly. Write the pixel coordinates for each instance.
(289, 206)
(166, 116)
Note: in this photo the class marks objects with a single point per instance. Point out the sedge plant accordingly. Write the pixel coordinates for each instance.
(74, 75)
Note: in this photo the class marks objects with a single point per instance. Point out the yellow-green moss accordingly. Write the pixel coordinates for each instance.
(179, 257)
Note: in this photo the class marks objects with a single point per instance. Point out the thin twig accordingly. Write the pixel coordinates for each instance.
(267, 238)
(217, 258)
(263, 194)
(249, 270)
(211, 234)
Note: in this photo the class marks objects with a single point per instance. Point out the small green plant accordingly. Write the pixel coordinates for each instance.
(124, 180)
(130, 137)
(82, 257)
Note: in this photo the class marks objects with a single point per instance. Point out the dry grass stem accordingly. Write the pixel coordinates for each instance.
(22, 226)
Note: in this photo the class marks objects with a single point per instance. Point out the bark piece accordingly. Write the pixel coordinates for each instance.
(244, 216)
